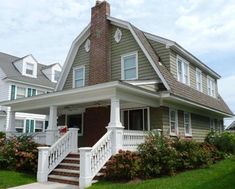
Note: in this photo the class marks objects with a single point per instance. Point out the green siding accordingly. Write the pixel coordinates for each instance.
(162, 52)
(127, 45)
(82, 58)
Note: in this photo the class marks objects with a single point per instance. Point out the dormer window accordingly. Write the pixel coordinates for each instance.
(182, 70)
(29, 68)
(56, 75)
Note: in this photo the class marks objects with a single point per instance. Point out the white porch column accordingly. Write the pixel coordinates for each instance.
(11, 123)
(115, 126)
(52, 130)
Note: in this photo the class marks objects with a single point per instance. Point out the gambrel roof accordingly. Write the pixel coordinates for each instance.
(177, 90)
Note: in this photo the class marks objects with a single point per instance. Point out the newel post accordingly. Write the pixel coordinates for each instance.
(85, 168)
(74, 144)
(43, 163)
(115, 126)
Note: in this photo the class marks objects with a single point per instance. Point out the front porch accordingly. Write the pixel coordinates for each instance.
(95, 116)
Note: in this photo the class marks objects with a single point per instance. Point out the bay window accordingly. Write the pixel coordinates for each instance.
(211, 86)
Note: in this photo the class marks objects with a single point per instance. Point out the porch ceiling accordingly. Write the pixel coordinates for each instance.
(85, 96)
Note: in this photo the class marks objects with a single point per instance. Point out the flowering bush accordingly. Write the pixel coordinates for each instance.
(158, 157)
(18, 153)
(225, 142)
(123, 166)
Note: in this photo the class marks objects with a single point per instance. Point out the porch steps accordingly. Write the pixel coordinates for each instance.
(67, 171)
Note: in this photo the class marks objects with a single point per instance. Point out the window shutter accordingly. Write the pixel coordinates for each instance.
(29, 92)
(34, 92)
(27, 126)
(13, 91)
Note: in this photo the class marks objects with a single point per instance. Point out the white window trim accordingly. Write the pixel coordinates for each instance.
(141, 108)
(34, 69)
(176, 122)
(198, 70)
(77, 68)
(183, 62)
(24, 131)
(122, 64)
(190, 125)
(215, 92)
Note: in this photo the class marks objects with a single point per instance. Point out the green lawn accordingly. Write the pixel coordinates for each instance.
(12, 178)
(218, 176)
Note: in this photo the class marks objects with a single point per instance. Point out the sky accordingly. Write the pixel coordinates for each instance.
(46, 29)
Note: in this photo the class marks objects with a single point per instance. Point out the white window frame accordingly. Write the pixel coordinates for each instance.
(33, 74)
(16, 91)
(23, 129)
(190, 125)
(141, 108)
(122, 65)
(200, 79)
(184, 62)
(176, 122)
(83, 77)
(211, 81)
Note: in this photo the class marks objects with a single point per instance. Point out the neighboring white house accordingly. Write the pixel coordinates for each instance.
(20, 78)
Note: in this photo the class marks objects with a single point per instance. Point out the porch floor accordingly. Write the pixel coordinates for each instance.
(47, 185)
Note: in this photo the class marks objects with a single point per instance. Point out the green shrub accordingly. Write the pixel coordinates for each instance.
(158, 157)
(2, 135)
(123, 166)
(225, 142)
(19, 153)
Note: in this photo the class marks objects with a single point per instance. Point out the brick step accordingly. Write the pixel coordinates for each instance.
(64, 179)
(74, 155)
(71, 166)
(71, 160)
(66, 172)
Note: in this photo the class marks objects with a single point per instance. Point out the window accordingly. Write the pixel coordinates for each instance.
(212, 124)
(39, 126)
(31, 92)
(20, 92)
(79, 77)
(56, 75)
(187, 124)
(182, 70)
(29, 68)
(130, 66)
(211, 86)
(173, 122)
(135, 119)
(30, 127)
(19, 125)
(198, 79)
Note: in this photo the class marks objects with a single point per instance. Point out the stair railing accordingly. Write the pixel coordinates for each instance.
(50, 157)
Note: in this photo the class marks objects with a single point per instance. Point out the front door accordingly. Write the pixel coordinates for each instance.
(75, 121)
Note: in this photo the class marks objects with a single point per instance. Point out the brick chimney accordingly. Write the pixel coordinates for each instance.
(100, 46)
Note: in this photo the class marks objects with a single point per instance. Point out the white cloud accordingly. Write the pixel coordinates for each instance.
(227, 90)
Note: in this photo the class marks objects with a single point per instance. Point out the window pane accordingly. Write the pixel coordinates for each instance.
(173, 127)
(13, 87)
(29, 68)
(185, 73)
(125, 119)
(19, 124)
(130, 74)
(20, 92)
(78, 83)
(56, 75)
(129, 62)
(172, 115)
(136, 119)
(180, 71)
(79, 74)
(39, 126)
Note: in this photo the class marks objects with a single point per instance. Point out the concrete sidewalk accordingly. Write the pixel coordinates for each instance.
(48, 185)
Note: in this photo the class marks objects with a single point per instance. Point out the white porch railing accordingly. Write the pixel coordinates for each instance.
(131, 139)
(50, 157)
(93, 159)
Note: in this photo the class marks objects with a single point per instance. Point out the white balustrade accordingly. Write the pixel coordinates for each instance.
(93, 159)
(50, 157)
(131, 139)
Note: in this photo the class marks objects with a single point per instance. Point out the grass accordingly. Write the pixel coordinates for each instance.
(220, 175)
(12, 178)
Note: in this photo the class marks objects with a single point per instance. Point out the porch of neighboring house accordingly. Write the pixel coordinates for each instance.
(101, 120)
